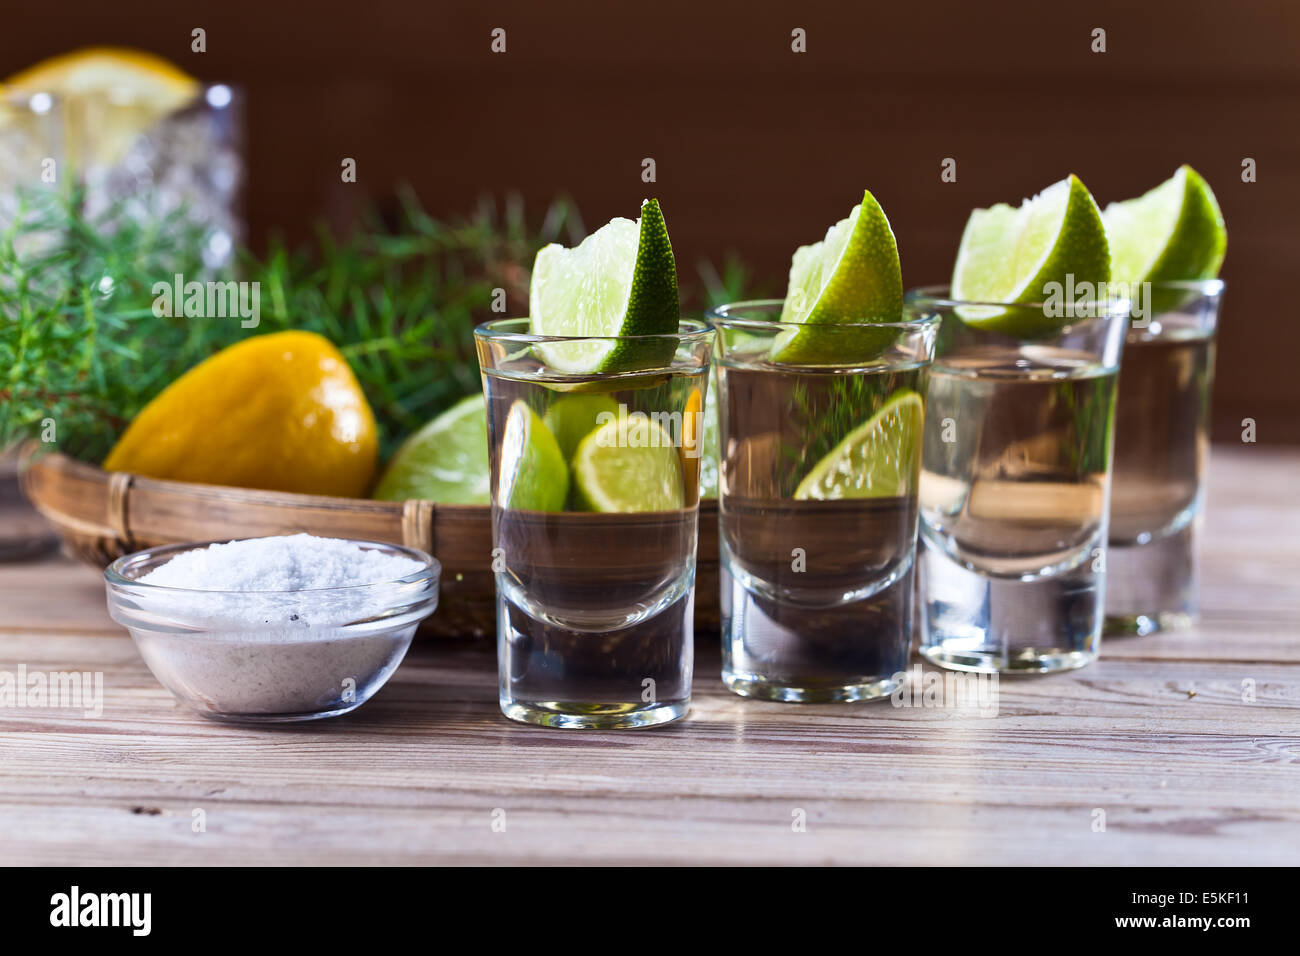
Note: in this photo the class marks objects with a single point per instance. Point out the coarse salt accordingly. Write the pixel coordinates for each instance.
(292, 582)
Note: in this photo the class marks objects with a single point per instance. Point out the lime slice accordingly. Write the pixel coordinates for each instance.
(852, 275)
(1010, 254)
(445, 461)
(112, 96)
(619, 281)
(1173, 232)
(534, 476)
(876, 460)
(573, 417)
(628, 464)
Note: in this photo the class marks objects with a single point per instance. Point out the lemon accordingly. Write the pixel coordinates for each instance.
(877, 459)
(620, 281)
(851, 276)
(281, 412)
(445, 461)
(110, 95)
(1012, 254)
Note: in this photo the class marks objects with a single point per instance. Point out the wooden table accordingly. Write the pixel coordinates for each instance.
(1159, 735)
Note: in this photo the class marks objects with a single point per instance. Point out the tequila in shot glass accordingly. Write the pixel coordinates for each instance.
(595, 499)
(818, 502)
(1162, 442)
(1015, 486)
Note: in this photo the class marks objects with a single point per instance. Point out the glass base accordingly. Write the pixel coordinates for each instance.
(634, 676)
(1153, 585)
(848, 649)
(1029, 660)
(1140, 625)
(761, 689)
(972, 622)
(570, 715)
(279, 718)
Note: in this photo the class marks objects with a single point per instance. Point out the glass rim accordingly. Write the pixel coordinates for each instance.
(718, 316)
(1210, 287)
(938, 297)
(22, 98)
(491, 331)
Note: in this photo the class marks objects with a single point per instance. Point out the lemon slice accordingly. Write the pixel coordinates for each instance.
(111, 95)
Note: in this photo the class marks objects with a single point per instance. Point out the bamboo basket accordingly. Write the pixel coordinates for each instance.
(102, 515)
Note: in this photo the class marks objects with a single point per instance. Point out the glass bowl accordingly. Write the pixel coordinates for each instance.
(271, 656)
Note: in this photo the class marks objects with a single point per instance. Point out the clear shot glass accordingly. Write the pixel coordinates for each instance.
(1162, 441)
(182, 172)
(595, 505)
(820, 438)
(31, 158)
(1015, 483)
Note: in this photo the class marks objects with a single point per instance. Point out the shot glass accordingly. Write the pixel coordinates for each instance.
(820, 438)
(31, 159)
(1162, 442)
(181, 172)
(1015, 483)
(595, 504)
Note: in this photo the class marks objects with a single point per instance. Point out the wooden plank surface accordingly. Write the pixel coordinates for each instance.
(1189, 744)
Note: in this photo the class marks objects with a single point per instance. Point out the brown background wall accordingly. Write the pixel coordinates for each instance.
(758, 149)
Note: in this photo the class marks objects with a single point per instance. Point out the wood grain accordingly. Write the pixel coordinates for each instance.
(1189, 743)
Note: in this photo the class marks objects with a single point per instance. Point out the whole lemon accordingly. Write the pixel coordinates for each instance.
(282, 412)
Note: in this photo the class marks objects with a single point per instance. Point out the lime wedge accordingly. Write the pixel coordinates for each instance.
(628, 464)
(1010, 254)
(445, 461)
(1173, 232)
(573, 417)
(619, 281)
(878, 459)
(852, 275)
(534, 476)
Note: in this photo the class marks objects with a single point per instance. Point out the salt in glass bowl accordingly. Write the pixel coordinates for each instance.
(271, 656)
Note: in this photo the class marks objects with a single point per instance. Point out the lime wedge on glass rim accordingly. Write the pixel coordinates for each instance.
(1174, 232)
(628, 463)
(445, 461)
(877, 459)
(534, 476)
(851, 276)
(1011, 254)
(619, 281)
